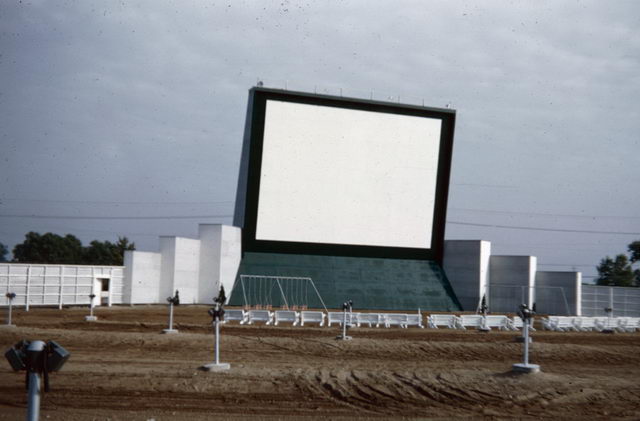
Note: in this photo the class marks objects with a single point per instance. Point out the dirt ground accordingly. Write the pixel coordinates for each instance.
(123, 368)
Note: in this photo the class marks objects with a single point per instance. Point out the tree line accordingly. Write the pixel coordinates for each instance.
(55, 249)
(619, 271)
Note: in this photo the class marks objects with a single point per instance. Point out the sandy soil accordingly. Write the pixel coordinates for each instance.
(123, 368)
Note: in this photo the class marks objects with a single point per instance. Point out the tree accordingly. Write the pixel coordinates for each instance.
(620, 272)
(634, 251)
(123, 245)
(616, 272)
(99, 253)
(107, 253)
(48, 248)
(54, 249)
(3, 252)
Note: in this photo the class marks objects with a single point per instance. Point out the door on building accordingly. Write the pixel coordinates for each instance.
(101, 288)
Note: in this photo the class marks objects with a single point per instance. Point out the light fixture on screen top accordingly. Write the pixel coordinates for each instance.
(260, 84)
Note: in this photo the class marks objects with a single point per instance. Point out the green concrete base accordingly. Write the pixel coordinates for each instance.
(372, 283)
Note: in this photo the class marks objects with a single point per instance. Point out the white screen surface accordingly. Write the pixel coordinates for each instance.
(342, 176)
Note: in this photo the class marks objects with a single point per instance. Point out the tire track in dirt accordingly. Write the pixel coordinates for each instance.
(390, 392)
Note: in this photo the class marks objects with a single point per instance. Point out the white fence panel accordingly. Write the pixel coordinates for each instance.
(624, 301)
(58, 285)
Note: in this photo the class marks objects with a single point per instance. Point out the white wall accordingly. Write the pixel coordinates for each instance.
(180, 260)
(231, 255)
(559, 293)
(195, 267)
(186, 269)
(466, 263)
(220, 254)
(167, 256)
(512, 279)
(142, 275)
(58, 285)
(209, 276)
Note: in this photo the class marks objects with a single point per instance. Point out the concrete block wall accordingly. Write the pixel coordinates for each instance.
(186, 268)
(466, 263)
(167, 261)
(559, 293)
(220, 255)
(509, 281)
(179, 268)
(210, 243)
(142, 275)
(194, 266)
(512, 282)
(230, 257)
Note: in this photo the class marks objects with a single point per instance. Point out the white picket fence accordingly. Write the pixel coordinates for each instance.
(588, 324)
(359, 319)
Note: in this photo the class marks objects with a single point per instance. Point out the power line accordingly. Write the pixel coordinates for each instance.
(69, 230)
(564, 215)
(563, 264)
(114, 217)
(498, 186)
(518, 227)
(105, 202)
